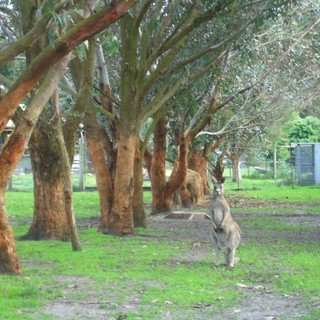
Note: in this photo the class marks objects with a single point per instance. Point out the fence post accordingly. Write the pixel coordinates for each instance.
(275, 161)
(291, 164)
(81, 161)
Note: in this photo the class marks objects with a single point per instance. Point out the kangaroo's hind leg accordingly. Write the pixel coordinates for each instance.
(215, 244)
(234, 242)
(227, 256)
(232, 258)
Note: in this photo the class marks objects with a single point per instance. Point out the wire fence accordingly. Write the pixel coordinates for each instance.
(289, 172)
(83, 177)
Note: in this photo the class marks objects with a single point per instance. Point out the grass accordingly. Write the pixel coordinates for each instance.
(24, 182)
(273, 223)
(271, 190)
(132, 266)
(144, 269)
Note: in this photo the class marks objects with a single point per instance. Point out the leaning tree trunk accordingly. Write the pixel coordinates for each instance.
(98, 158)
(199, 162)
(179, 172)
(163, 191)
(10, 155)
(66, 168)
(9, 261)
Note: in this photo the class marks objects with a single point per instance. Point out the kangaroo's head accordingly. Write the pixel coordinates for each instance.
(218, 188)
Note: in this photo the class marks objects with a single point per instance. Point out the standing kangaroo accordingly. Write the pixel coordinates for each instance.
(225, 232)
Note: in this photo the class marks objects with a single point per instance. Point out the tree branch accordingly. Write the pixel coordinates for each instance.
(76, 35)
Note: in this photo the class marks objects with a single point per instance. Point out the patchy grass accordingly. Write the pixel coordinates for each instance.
(149, 273)
(130, 266)
(273, 223)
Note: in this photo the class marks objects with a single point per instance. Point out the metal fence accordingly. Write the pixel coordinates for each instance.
(308, 163)
(83, 177)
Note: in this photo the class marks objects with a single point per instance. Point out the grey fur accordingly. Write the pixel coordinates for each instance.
(225, 232)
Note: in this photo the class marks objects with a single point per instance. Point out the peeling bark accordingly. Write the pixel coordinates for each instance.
(121, 218)
(9, 261)
(12, 152)
(139, 217)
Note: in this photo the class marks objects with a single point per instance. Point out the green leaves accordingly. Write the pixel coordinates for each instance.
(305, 130)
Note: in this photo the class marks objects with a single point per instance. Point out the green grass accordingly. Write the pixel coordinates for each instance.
(24, 182)
(144, 268)
(272, 223)
(150, 271)
(271, 190)
(130, 265)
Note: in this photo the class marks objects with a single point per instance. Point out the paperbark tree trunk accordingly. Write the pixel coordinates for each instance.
(121, 218)
(198, 162)
(67, 181)
(163, 191)
(12, 152)
(158, 169)
(139, 217)
(98, 158)
(199, 159)
(49, 219)
(53, 211)
(9, 261)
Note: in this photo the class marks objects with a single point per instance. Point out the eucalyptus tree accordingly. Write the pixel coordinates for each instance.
(279, 78)
(45, 69)
(161, 54)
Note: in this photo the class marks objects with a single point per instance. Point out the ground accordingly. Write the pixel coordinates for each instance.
(260, 301)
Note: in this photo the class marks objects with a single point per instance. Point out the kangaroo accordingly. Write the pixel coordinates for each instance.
(225, 232)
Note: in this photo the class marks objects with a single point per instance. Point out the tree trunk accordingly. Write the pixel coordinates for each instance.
(185, 196)
(179, 173)
(198, 162)
(66, 167)
(160, 202)
(121, 218)
(12, 152)
(9, 261)
(49, 219)
(139, 217)
(235, 163)
(100, 167)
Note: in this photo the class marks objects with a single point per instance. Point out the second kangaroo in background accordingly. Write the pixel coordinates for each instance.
(225, 232)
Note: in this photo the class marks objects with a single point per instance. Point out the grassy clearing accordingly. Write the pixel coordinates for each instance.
(130, 266)
(152, 272)
(149, 271)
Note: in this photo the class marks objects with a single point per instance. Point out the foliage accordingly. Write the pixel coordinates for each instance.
(304, 129)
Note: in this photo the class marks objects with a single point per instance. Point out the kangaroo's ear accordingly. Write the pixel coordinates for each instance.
(214, 180)
(223, 179)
